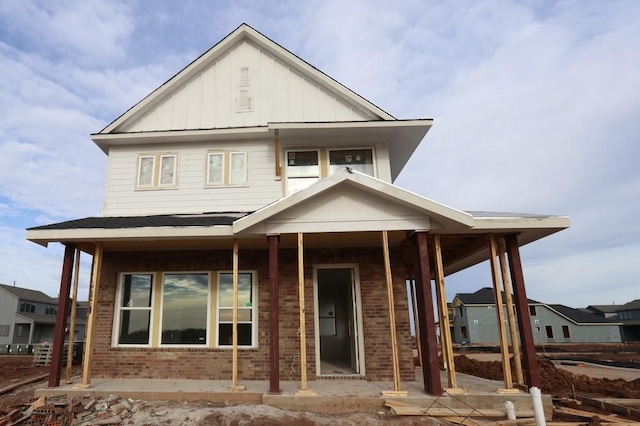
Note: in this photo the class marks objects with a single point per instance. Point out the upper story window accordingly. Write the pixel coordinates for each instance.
(226, 168)
(157, 171)
(27, 307)
(243, 101)
(51, 310)
(305, 167)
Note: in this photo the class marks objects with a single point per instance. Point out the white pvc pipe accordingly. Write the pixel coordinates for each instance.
(538, 410)
(511, 410)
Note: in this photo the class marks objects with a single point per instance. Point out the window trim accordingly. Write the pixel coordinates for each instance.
(227, 172)
(115, 335)
(254, 313)
(353, 148)
(161, 311)
(156, 171)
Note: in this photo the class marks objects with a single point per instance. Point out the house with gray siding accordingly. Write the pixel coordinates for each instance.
(28, 317)
(629, 316)
(475, 317)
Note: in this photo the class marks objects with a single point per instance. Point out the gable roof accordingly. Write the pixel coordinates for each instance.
(484, 296)
(28, 294)
(363, 184)
(245, 33)
(605, 309)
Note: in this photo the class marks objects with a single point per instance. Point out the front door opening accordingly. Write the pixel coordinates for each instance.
(337, 321)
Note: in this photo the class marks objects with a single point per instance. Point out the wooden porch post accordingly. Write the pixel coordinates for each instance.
(234, 325)
(428, 343)
(506, 283)
(502, 332)
(274, 317)
(72, 321)
(532, 374)
(61, 318)
(443, 314)
(303, 323)
(88, 344)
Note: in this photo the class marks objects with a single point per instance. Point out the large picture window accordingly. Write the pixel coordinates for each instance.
(134, 309)
(247, 309)
(360, 160)
(303, 170)
(185, 309)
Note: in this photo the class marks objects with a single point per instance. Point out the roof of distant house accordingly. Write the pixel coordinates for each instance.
(634, 304)
(605, 309)
(580, 316)
(28, 294)
(484, 296)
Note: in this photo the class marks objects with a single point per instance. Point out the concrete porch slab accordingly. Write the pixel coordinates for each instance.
(333, 396)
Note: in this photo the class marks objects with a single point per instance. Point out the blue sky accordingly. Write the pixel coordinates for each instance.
(536, 107)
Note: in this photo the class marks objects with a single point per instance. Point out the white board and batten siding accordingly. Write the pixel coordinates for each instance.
(277, 93)
(191, 195)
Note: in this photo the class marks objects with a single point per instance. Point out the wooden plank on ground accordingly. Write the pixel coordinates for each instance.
(586, 414)
(401, 409)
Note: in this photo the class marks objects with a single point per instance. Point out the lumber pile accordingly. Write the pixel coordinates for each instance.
(42, 354)
(61, 410)
(403, 409)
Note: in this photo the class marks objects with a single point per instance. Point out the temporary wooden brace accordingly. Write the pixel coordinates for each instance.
(55, 369)
(234, 326)
(392, 321)
(415, 321)
(93, 303)
(303, 326)
(443, 313)
(276, 150)
(504, 347)
(506, 283)
(72, 322)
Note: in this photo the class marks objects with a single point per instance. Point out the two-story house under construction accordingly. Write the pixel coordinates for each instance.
(251, 230)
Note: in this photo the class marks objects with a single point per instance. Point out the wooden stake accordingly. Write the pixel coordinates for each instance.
(392, 313)
(415, 321)
(445, 332)
(72, 324)
(276, 148)
(504, 348)
(88, 349)
(506, 283)
(234, 326)
(303, 324)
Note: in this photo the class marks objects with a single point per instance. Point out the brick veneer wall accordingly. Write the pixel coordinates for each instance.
(253, 364)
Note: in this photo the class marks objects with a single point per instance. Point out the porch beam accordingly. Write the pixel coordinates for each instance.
(426, 321)
(443, 314)
(506, 283)
(532, 374)
(72, 320)
(93, 304)
(497, 292)
(274, 317)
(61, 317)
(392, 319)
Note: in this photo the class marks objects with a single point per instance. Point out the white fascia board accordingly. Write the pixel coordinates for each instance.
(45, 236)
(441, 212)
(104, 141)
(425, 123)
(521, 223)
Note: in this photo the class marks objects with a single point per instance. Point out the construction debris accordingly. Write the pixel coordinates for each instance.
(62, 410)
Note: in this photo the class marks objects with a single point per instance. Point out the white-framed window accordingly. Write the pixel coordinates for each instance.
(247, 309)
(185, 309)
(303, 169)
(134, 300)
(360, 160)
(244, 98)
(157, 171)
(226, 168)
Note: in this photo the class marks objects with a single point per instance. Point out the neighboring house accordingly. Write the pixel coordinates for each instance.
(475, 322)
(251, 163)
(606, 311)
(629, 316)
(29, 316)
